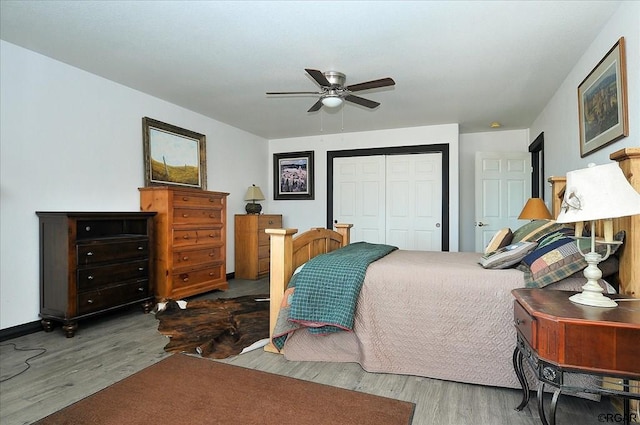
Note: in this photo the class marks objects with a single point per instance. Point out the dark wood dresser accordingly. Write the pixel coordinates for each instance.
(191, 240)
(252, 244)
(93, 262)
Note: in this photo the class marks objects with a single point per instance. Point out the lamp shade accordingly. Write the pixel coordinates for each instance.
(598, 192)
(332, 101)
(535, 209)
(254, 194)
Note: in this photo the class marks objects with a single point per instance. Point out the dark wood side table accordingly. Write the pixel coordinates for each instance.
(556, 337)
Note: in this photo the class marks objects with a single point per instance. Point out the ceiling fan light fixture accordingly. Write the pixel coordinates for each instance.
(332, 101)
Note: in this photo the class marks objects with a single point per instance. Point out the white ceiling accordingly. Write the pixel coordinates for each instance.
(453, 61)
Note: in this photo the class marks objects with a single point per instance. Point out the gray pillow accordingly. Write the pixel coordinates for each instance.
(507, 256)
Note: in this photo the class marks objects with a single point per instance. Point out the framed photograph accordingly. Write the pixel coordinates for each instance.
(293, 175)
(173, 155)
(602, 102)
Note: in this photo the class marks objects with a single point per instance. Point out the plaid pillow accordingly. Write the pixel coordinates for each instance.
(558, 259)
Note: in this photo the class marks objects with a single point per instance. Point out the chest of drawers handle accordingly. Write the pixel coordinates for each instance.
(89, 254)
(185, 258)
(520, 322)
(185, 215)
(90, 277)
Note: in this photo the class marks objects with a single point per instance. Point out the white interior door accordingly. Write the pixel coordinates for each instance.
(395, 199)
(358, 193)
(414, 201)
(502, 187)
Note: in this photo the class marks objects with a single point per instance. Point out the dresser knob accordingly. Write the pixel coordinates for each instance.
(185, 258)
(210, 273)
(212, 199)
(89, 301)
(185, 198)
(185, 215)
(185, 237)
(90, 277)
(89, 254)
(140, 248)
(212, 216)
(141, 289)
(140, 269)
(270, 221)
(211, 235)
(212, 254)
(88, 228)
(185, 279)
(519, 322)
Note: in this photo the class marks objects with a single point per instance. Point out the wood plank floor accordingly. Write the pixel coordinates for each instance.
(108, 349)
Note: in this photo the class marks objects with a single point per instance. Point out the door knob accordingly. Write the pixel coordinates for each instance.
(481, 224)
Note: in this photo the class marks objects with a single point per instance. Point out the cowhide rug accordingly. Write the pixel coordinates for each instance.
(215, 328)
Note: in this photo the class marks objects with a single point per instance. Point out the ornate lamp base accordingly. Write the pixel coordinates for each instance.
(253, 208)
(591, 291)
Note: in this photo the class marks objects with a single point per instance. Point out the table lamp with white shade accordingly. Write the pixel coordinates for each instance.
(597, 193)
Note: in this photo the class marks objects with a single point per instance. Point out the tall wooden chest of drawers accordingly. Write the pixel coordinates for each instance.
(93, 262)
(252, 244)
(191, 229)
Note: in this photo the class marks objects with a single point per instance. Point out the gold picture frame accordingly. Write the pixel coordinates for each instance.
(602, 102)
(173, 155)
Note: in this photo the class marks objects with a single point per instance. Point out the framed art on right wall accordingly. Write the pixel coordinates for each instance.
(602, 102)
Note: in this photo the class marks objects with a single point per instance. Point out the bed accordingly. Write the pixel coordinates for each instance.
(432, 314)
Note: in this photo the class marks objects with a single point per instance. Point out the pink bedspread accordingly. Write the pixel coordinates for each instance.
(432, 314)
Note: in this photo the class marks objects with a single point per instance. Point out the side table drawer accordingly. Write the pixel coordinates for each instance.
(525, 324)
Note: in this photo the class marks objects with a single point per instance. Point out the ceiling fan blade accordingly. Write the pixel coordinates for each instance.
(292, 92)
(362, 101)
(319, 77)
(316, 106)
(383, 82)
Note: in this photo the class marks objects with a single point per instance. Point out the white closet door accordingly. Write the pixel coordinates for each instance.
(395, 199)
(414, 201)
(359, 196)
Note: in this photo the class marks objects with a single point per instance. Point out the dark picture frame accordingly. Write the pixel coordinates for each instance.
(173, 155)
(602, 102)
(293, 175)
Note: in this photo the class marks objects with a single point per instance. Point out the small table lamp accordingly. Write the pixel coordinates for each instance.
(596, 193)
(535, 209)
(253, 194)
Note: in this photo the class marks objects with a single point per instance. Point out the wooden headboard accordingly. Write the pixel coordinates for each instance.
(629, 253)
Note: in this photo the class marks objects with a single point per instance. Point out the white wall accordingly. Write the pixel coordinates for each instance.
(70, 140)
(306, 214)
(493, 141)
(559, 119)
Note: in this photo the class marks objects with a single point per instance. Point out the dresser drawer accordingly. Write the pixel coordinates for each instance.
(92, 277)
(263, 251)
(89, 302)
(263, 266)
(191, 237)
(181, 199)
(192, 216)
(94, 229)
(196, 257)
(112, 250)
(525, 324)
(269, 222)
(207, 275)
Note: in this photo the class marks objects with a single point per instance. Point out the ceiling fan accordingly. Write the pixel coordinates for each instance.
(333, 91)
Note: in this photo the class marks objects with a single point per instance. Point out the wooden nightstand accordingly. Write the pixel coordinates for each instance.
(556, 337)
(252, 244)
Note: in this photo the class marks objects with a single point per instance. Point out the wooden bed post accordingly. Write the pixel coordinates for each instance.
(629, 161)
(281, 271)
(343, 229)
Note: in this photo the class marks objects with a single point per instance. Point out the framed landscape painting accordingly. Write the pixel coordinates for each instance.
(293, 175)
(173, 155)
(602, 102)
